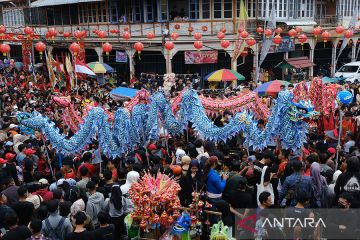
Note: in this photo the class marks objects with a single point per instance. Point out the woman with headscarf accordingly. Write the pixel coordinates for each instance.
(131, 178)
(319, 187)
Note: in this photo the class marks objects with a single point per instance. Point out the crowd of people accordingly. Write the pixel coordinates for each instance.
(46, 194)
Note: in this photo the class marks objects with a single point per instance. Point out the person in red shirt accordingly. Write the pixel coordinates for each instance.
(86, 159)
(112, 167)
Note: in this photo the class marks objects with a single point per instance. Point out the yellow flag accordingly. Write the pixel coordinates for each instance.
(240, 43)
(49, 66)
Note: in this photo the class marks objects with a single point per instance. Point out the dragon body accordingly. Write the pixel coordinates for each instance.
(286, 122)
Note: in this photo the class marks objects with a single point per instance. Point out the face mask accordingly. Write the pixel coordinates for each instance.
(340, 205)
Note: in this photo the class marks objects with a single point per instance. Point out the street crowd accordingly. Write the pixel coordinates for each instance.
(45, 194)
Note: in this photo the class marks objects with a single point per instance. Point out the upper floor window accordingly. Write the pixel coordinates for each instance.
(194, 9)
(13, 17)
(345, 8)
(205, 9)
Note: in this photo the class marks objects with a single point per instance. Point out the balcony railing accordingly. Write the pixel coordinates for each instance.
(328, 20)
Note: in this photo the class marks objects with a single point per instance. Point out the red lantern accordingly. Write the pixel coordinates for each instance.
(198, 45)
(190, 29)
(95, 31)
(244, 34)
(67, 34)
(101, 34)
(150, 35)
(302, 38)
(197, 36)
(169, 45)
(40, 47)
(77, 35)
(107, 47)
(241, 29)
(138, 46)
(251, 42)
(277, 40)
(325, 36)
(2, 29)
(177, 26)
(126, 29)
(204, 28)
(348, 33)
(28, 30)
(5, 49)
(220, 35)
(317, 31)
(113, 31)
(126, 35)
(278, 30)
(292, 33)
(75, 48)
(47, 35)
(244, 53)
(298, 29)
(174, 36)
(52, 33)
(259, 30)
(268, 32)
(339, 29)
(223, 30)
(225, 44)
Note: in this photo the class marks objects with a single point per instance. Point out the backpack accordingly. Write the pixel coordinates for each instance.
(55, 234)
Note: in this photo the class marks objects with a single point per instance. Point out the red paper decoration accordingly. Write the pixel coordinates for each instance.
(190, 29)
(174, 36)
(107, 47)
(150, 35)
(220, 35)
(223, 30)
(225, 44)
(75, 48)
(198, 45)
(40, 47)
(348, 33)
(317, 31)
(169, 45)
(244, 34)
(197, 36)
(5, 49)
(126, 35)
(204, 28)
(277, 40)
(101, 34)
(292, 33)
(67, 34)
(138, 46)
(28, 30)
(339, 29)
(177, 26)
(2, 29)
(302, 38)
(325, 36)
(268, 32)
(251, 42)
(259, 30)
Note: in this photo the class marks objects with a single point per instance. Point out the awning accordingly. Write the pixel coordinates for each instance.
(43, 3)
(300, 23)
(300, 62)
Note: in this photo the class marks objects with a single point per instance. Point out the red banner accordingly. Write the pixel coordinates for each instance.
(201, 57)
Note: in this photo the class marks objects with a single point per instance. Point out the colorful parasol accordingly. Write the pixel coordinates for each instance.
(98, 67)
(270, 88)
(224, 75)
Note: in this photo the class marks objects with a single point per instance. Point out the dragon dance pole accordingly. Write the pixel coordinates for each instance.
(47, 155)
(339, 139)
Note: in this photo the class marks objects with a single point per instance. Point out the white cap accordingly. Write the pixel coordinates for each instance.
(13, 126)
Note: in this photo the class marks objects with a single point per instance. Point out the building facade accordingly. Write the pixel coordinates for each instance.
(162, 17)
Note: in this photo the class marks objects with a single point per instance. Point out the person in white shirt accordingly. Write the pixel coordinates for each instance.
(179, 151)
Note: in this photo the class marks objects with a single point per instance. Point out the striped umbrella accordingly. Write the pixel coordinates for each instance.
(270, 88)
(224, 75)
(100, 67)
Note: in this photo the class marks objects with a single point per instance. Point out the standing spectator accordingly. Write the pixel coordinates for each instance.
(4, 209)
(80, 232)
(55, 226)
(15, 232)
(95, 202)
(10, 191)
(116, 206)
(84, 180)
(319, 187)
(43, 190)
(35, 228)
(23, 208)
(106, 230)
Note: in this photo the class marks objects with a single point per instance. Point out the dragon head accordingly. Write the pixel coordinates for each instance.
(302, 110)
(182, 224)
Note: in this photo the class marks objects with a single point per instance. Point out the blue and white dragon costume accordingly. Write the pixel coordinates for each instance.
(143, 124)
